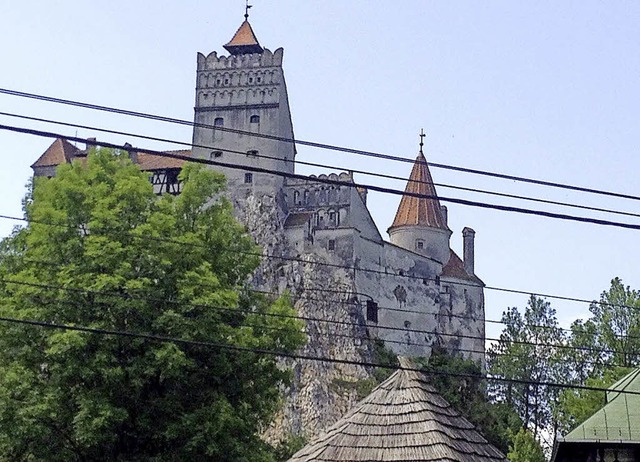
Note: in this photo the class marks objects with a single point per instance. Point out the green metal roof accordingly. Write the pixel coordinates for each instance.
(619, 419)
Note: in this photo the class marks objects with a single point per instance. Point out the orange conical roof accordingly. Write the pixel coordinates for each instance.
(244, 41)
(424, 210)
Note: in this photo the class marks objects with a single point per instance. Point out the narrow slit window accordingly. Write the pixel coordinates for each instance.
(331, 245)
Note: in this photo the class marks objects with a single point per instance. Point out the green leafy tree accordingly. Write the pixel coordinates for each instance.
(101, 250)
(527, 355)
(525, 448)
(460, 382)
(616, 318)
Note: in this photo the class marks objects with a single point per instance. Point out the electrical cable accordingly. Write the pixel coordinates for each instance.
(325, 166)
(329, 181)
(311, 144)
(285, 354)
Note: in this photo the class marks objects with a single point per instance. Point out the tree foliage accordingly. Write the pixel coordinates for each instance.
(525, 448)
(527, 354)
(102, 251)
(460, 382)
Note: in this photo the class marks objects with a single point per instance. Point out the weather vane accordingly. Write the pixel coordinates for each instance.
(246, 9)
(422, 135)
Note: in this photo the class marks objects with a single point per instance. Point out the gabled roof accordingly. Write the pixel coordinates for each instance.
(619, 420)
(420, 211)
(244, 41)
(60, 152)
(403, 419)
(63, 152)
(455, 269)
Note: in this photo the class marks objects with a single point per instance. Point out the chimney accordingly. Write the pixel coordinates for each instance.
(89, 145)
(133, 155)
(468, 236)
(445, 214)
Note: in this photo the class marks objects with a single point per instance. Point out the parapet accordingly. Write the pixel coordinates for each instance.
(264, 59)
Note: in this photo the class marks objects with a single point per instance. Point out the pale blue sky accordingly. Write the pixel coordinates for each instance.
(547, 90)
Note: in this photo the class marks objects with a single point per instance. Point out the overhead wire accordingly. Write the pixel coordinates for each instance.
(336, 182)
(214, 148)
(313, 144)
(286, 354)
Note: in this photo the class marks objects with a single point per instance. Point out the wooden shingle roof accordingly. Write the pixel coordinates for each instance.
(403, 419)
(420, 211)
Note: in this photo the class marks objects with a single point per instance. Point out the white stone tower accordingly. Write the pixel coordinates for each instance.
(420, 224)
(240, 94)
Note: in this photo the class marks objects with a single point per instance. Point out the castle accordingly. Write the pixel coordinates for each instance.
(411, 292)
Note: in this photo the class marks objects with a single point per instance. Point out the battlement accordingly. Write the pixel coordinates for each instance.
(346, 177)
(264, 59)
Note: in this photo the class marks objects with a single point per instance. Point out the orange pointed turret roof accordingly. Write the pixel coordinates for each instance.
(244, 41)
(60, 152)
(424, 210)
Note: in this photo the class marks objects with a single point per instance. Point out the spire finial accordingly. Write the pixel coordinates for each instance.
(422, 135)
(246, 9)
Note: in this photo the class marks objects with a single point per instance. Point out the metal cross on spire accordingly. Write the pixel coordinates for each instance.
(422, 135)
(246, 9)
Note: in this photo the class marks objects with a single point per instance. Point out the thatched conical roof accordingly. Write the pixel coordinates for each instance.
(403, 419)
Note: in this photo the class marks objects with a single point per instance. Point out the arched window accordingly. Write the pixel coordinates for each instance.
(296, 197)
(218, 122)
(254, 119)
(306, 197)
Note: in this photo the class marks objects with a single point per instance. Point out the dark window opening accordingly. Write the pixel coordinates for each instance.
(419, 244)
(258, 79)
(252, 153)
(254, 119)
(218, 82)
(218, 122)
(332, 217)
(332, 244)
(248, 177)
(215, 154)
(372, 311)
(250, 79)
(226, 81)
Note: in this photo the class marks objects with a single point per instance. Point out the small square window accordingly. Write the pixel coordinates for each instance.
(331, 245)
(254, 119)
(419, 245)
(218, 122)
(248, 177)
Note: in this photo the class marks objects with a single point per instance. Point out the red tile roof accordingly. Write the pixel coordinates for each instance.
(244, 41)
(420, 211)
(152, 162)
(60, 151)
(455, 269)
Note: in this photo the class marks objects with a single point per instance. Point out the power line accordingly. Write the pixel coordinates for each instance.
(235, 310)
(398, 192)
(285, 354)
(386, 272)
(312, 144)
(326, 166)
